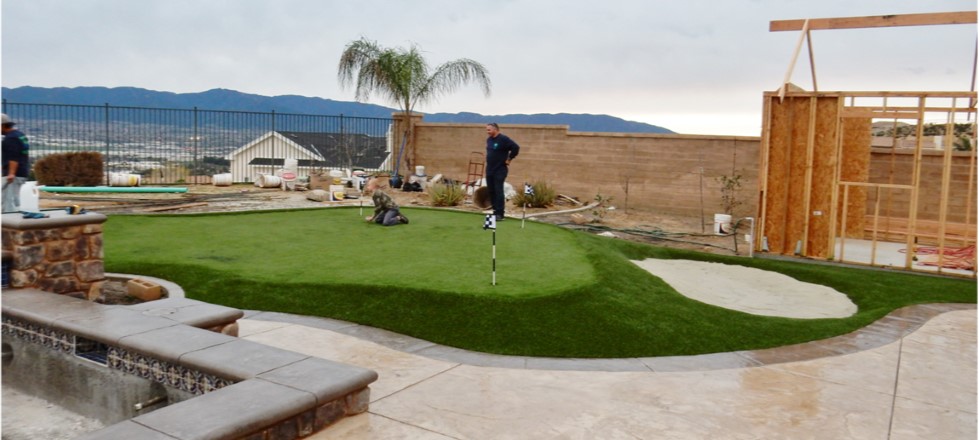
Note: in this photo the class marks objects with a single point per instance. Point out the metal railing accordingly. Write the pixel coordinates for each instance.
(183, 146)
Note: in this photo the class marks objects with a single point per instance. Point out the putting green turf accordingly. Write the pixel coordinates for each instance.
(440, 251)
(560, 293)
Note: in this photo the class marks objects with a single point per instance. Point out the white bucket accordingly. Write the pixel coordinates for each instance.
(722, 224)
(420, 170)
(291, 165)
(268, 181)
(29, 197)
(123, 179)
(223, 179)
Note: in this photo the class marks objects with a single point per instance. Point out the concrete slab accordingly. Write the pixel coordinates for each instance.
(231, 412)
(309, 374)
(239, 359)
(171, 343)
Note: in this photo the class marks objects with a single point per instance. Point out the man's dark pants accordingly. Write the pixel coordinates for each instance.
(494, 182)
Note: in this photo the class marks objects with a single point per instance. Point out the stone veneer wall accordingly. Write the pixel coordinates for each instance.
(60, 254)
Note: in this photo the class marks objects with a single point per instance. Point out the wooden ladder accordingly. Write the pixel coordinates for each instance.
(477, 161)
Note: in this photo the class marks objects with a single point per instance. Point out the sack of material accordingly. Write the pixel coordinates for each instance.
(481, 198)
(318, 195)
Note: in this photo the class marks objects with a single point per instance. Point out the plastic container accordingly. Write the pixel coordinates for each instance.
(722, 224)
(268, 181)
(29, 197)
(420, 170)
(124, 179)
(291, 165)
(222, 179)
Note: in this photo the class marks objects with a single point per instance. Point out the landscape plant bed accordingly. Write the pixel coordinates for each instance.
(560, 293)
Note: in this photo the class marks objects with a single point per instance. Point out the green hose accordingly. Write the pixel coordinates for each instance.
(111, 189)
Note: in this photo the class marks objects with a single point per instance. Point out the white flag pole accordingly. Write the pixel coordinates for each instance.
(494, 256)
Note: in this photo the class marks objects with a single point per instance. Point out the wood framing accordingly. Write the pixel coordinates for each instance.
(822, 181)
(817, 189)
(937, 18)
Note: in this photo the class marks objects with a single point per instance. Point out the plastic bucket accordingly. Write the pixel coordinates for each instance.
(123, 179)
(420, 170)
(223, 179)
(291, 165)
(722, 224)
(268, 181)
(29, 197)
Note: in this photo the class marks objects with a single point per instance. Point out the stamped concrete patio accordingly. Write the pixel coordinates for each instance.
(911, 375)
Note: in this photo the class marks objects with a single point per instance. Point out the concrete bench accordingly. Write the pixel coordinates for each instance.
(214, 386)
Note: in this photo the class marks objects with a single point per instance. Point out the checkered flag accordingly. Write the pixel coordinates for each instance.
(490, 222)
(528, 190)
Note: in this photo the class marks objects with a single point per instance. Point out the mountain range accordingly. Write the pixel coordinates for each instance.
(224, 99)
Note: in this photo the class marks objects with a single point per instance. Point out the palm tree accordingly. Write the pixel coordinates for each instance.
(403, 77)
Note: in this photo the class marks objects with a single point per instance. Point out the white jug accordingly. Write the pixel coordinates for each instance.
(29, 197)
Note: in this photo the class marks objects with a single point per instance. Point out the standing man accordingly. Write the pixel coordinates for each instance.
(16, 163)
(500, 150)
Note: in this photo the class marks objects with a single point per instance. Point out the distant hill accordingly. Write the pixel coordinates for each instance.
(223, 99)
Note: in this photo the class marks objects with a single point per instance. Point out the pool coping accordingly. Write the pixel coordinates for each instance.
(262, 391)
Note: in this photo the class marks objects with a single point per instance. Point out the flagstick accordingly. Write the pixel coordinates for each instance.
(524, 216)
(494, 256)
(361, 207)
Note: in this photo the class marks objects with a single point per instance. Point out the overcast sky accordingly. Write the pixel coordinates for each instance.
(691, 66)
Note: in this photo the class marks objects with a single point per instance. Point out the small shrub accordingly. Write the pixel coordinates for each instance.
(83, 168)
(542, 197)
(602, 208)
(446, 195)
(730, 187)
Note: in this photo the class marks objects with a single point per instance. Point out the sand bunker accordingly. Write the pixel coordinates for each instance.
(750, 290)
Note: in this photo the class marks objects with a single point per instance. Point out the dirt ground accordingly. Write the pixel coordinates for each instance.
(657, 228)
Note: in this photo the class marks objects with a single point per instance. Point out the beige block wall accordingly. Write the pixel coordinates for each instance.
(670, 174)
(897, 166)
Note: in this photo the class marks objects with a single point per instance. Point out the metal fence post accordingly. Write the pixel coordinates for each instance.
(197, 163)
(274, 141)
(343, 145)
(108, 142)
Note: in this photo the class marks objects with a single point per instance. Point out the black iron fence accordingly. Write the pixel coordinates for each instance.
(178, 146)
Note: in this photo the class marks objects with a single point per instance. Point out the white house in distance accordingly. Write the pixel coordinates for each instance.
(314, 152)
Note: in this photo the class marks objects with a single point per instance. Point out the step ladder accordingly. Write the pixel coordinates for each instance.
(477, 161)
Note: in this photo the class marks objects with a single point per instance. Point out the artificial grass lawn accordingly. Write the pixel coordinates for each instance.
(560, 293)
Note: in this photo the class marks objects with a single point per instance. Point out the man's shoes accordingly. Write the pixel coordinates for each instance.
(500, 218)
(403, 219)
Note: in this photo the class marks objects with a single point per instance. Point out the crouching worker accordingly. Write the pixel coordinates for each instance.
(386, 212)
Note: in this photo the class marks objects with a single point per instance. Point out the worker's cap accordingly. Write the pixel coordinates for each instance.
(6, 119)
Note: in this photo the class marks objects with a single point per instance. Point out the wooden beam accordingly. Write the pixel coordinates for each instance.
(876, 21)
(879, 94)
(795, 57)
(857, 112)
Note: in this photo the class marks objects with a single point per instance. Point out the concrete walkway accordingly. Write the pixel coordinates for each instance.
(911, 375)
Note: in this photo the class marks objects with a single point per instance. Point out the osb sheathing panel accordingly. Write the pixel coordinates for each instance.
(824, 161)
(855, 167)
(777, 173)
(786, 216)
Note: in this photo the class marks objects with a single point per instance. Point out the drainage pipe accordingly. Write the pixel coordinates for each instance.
(111, 189)
(153, 401)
